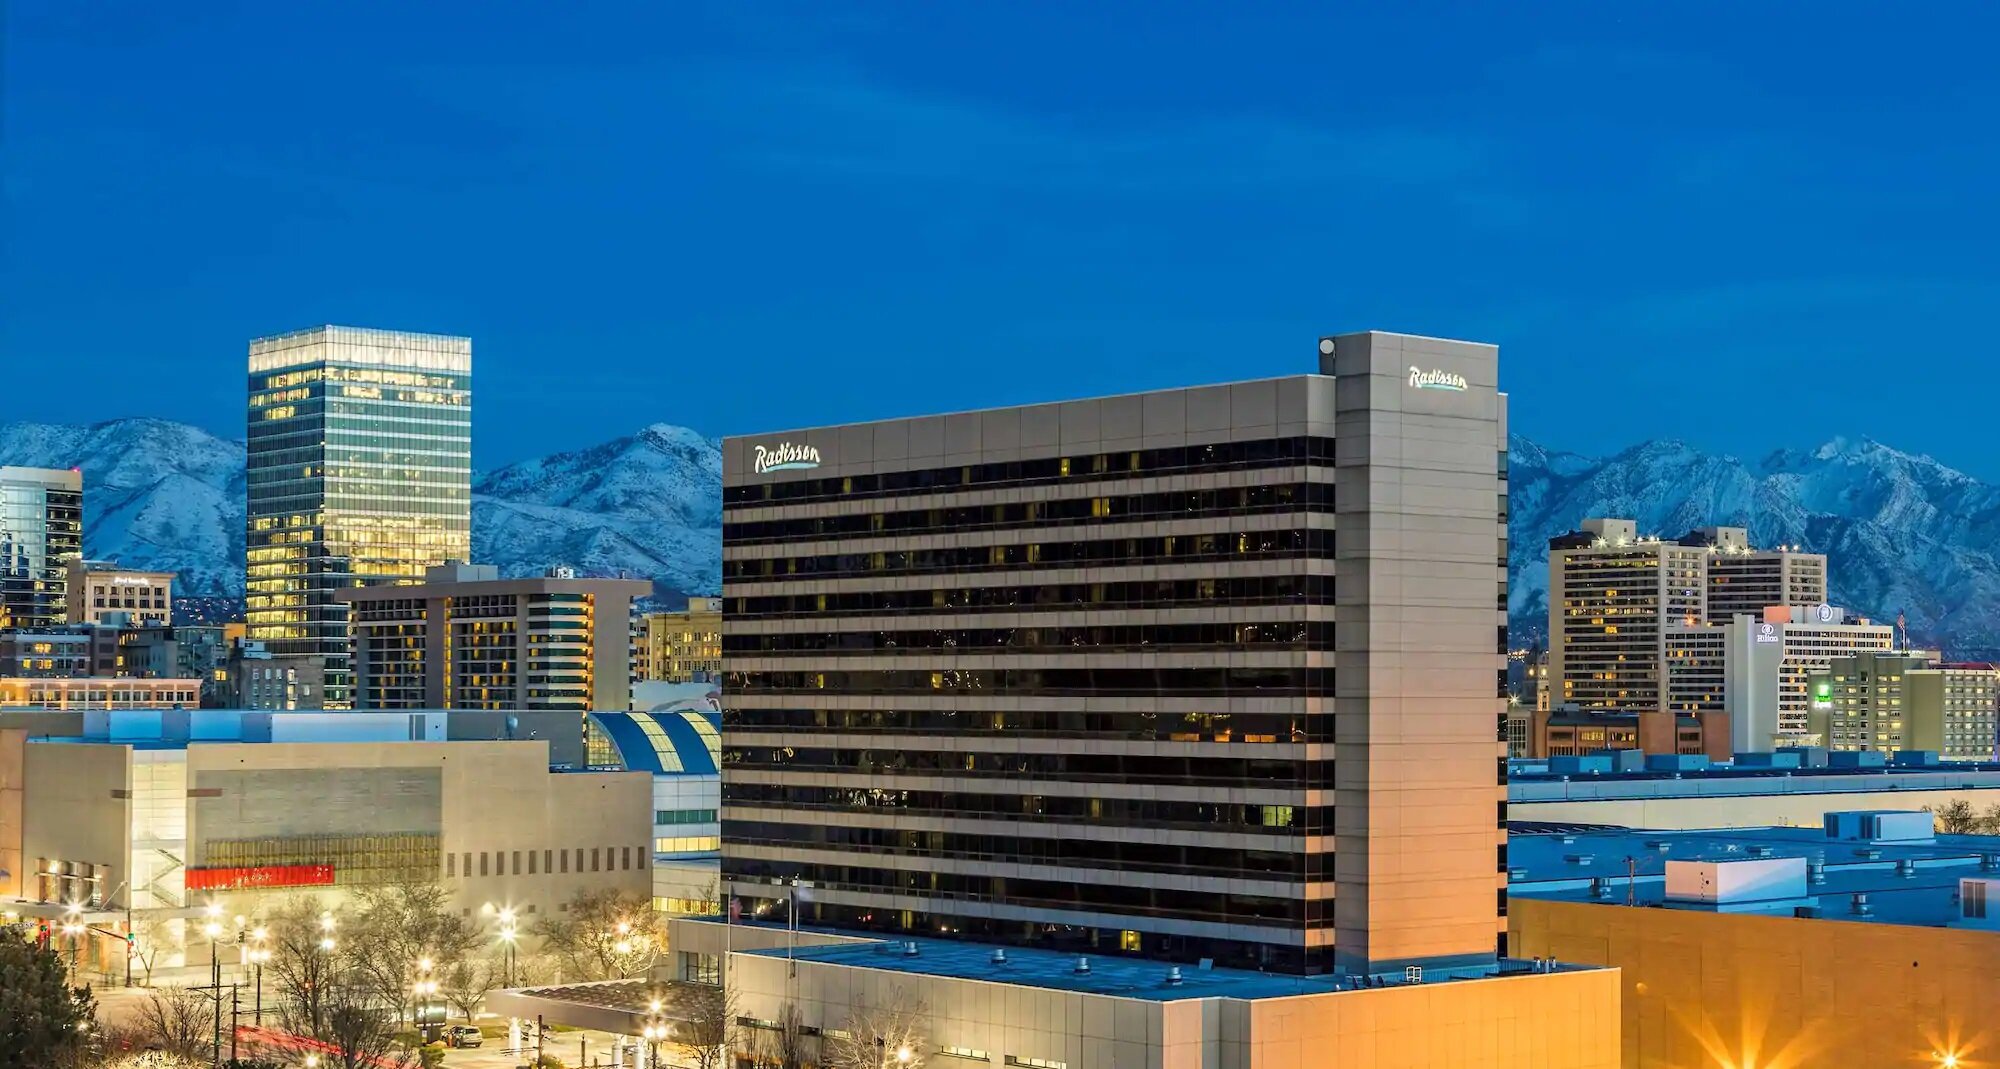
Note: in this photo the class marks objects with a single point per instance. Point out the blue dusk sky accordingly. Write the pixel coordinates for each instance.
(1749, 226)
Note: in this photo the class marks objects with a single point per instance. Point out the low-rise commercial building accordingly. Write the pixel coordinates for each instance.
(1569, 731)
(103, 592)
(967, 1004)
(467, 639)
(1759, 790)
(98, 692)
(685, 646)
(164, 813)
(681, 748)
(1863, 942)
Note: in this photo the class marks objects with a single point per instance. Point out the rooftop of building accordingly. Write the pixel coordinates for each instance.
(1910, 882)
(666, 742)
(1533, 779)
(1118, 976)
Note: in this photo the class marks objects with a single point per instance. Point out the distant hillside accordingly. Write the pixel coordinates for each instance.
(1903, 532)
(165, 495)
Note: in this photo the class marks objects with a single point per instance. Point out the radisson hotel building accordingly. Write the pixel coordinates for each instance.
(359, 473)
(1207, 673)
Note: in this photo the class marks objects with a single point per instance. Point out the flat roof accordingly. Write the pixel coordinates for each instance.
(1562, 865)
(1117, 976)
(1725, 780)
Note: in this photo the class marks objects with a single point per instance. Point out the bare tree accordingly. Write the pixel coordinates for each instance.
(151, 930)
(604, 935)
(1956, 818)
(892, 1035)
(466, 984)
(790, 1040)
(179, 1021)
(394, 928)
(307, 960)
(360, 1034)
(709, 1014)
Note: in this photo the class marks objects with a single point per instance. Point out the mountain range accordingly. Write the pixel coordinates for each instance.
(1903, 532)
(158, 494)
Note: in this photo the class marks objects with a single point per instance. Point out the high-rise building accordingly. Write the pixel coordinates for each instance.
(1612, 595)
(1908, 701)
(467, 639)
(1197, 673)
(1742, 579)
(359, 473)
(1622, 609)
(102, 592)
(1764, 665)
(685, 646)
(41, 529)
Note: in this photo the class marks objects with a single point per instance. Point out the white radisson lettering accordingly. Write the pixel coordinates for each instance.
(1435, 380)
(786, 457)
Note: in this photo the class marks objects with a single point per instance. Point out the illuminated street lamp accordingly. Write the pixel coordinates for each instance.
(507, 937)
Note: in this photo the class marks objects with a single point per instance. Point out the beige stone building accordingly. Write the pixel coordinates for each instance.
(100, 589)
(685, 646)
(131, 816)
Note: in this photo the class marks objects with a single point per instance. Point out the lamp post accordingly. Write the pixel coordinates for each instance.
(73, 927)
(213, 930)
(260, 952)
(507, 936)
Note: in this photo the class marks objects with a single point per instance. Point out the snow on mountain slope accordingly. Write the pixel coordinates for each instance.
(647, 506)
(156, 494)
(1902, 531)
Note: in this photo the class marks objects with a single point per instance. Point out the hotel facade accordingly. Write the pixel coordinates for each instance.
(359, 473)
(1208, 673)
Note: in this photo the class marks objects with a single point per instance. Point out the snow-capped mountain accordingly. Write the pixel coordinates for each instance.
(1902, 533)
(648, 506)
(166, 495)
(156, 494)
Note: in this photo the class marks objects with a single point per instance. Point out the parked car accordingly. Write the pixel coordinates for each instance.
(463, 1035)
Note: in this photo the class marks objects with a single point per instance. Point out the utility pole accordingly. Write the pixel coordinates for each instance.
(235, 1012)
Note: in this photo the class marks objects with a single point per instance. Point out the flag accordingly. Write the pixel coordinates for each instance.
(735, 909)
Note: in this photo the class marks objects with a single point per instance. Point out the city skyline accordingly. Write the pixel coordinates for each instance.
(622, 212)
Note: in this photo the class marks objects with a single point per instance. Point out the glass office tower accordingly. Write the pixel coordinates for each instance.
(41, 530)
(359, 473)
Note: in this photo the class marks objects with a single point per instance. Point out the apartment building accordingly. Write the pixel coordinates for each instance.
(1612, 596)
(467, 639)
(1895, 701)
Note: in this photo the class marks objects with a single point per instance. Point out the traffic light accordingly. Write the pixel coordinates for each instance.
(131, 943)
(42, 934)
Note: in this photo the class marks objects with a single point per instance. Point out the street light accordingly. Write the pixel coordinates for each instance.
(654, 1034)
(507, 937)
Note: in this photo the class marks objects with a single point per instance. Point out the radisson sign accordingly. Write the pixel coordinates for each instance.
(785, 457)
(1436, 380)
